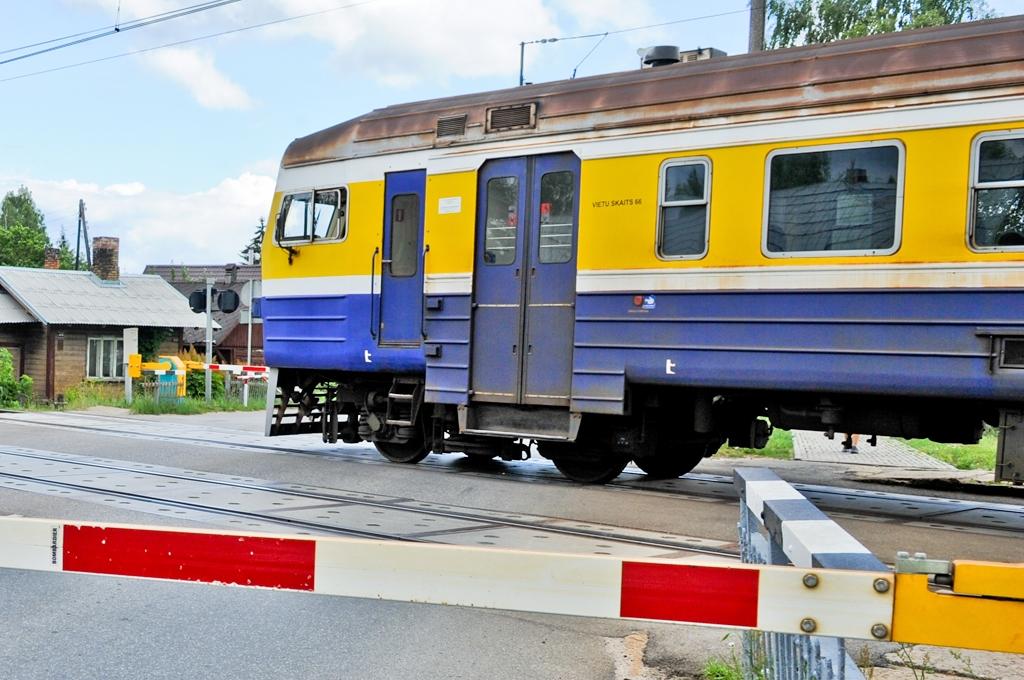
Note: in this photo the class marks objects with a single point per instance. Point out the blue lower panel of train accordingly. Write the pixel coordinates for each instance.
(333, 332)
(926, 343)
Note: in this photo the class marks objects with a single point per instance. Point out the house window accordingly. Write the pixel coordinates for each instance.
(683, 208)
(313, 216)
(105, 359)
(997, 192)
(838, 200)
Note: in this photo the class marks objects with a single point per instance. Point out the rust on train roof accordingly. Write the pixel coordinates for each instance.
(859, 74)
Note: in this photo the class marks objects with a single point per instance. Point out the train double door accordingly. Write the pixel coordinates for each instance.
(525, 280)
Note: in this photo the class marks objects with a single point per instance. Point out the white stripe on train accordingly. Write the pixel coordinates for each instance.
(822, 277)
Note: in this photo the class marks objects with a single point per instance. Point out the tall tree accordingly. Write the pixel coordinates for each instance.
(808, 22)
(22, 246)
(255, 244)
(23, 238)
(18, 208)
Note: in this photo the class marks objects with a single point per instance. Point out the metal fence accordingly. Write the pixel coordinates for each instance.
(782, 656)
(234, 388)
(157, 390)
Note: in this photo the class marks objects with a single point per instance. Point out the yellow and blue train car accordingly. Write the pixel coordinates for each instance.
(644, 265)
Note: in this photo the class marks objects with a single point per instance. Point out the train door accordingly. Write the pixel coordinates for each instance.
(401, 285)
(525, 280)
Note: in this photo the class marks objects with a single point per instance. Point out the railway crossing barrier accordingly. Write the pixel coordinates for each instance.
(834, 588)
(169, 374)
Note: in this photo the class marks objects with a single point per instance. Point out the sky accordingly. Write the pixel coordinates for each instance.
(175, 150)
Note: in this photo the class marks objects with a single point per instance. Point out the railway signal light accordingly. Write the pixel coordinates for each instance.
(225, 301)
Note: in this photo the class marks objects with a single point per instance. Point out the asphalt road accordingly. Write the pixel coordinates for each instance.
(76, 626)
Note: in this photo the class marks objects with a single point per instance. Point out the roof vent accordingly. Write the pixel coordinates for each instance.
(452, 126)
(512, 117)
(661, 55)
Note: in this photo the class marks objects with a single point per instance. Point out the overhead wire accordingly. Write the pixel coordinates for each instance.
(125, 27)
(186, 41)
(98, 29)
(637, 28)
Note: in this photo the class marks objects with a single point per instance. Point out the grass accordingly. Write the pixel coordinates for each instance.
(88, 394)
(980, 456)
(190, 407)
(716, 669)
(780, 447)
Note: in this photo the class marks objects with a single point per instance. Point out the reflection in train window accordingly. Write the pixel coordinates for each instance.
(998, 192)
(683, 212)
(840, 200)
(502, 220)
(557, 216)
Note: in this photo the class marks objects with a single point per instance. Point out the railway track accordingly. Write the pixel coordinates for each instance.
(263, 505)
(916, 510)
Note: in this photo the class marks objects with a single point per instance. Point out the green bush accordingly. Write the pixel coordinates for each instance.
(195, 385)
(93, 393)
(14, 390)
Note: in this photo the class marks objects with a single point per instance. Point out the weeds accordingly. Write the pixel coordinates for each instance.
(145, 405)
(780, 446)
(980, 456)
(716, 669)
(88, 394)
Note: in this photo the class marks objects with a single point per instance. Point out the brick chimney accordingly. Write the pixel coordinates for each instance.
(104, 258)
(51, 259)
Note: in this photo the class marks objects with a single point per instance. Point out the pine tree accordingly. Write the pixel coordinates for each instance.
(255, 245)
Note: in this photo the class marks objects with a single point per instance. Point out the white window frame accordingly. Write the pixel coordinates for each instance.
(898, 222)
(972, 197)
(88, 357)
(662, 204)
(308, 240)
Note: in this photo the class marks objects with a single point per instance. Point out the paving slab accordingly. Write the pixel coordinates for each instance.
(816, 447)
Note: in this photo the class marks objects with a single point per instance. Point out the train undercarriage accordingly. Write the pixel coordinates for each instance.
(666, 432)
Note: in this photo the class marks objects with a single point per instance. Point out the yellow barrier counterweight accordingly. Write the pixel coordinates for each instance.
(976, 613)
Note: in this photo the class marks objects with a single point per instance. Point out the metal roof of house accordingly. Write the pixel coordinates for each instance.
(81, 298)
(12, 312)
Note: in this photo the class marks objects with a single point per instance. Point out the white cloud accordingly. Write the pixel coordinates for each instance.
(157, 226)
(196, 72)
(129, 189)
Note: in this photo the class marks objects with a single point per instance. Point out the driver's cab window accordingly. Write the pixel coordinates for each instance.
(308, 216)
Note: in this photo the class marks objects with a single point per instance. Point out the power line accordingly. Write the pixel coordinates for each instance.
(605, 34)
(98, 29)
(203, 7)
(637, 28)
(189, 40)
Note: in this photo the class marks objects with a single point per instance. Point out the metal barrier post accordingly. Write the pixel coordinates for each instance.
(779, 526)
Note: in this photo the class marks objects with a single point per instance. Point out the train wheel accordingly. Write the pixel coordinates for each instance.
(598, 470)
(410, 452)
(676, 462)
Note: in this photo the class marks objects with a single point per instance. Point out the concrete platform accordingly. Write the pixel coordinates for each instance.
(816, 447)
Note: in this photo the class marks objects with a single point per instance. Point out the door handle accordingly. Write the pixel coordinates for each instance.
(423, 295)
(373, 271)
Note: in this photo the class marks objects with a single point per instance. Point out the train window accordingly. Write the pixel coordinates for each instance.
(502, 220)
(313, 216)
(405, 229)
(840, 200)
(998, 192)
(683, 211)
(557, 216)
(294, 221)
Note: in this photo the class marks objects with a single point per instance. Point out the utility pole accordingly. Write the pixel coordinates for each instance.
(83, 230)
(209, 338)
(756, 40)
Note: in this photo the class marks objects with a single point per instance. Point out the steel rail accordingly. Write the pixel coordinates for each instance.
(670, 546)
(920, 508)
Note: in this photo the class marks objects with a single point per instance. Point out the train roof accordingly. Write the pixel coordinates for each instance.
(910, 67)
